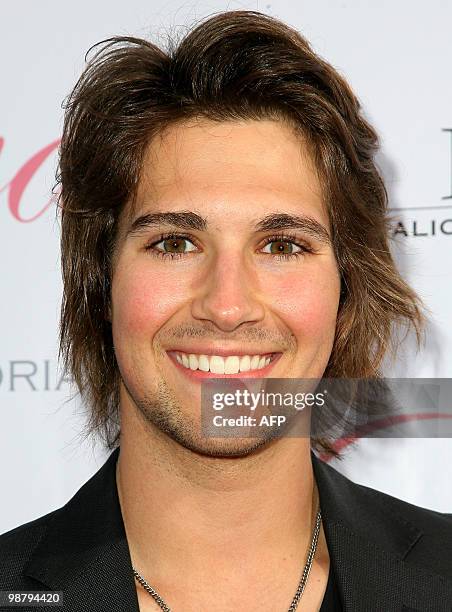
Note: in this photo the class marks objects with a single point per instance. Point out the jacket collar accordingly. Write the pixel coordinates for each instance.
(373, 549)
(85, 554)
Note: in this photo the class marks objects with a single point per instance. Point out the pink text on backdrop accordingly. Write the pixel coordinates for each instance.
(16, 186)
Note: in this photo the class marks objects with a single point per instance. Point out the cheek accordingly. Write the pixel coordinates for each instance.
(308, 301)
(143, 300)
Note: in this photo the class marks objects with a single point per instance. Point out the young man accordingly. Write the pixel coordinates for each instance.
(222, 216)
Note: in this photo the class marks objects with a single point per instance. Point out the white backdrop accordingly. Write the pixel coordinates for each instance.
(397, 57)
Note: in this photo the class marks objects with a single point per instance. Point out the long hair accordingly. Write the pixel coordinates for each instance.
(234, 65)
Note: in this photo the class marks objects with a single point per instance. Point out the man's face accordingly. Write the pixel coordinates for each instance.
(224, 286)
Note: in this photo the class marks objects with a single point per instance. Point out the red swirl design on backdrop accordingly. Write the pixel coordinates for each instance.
(379, 424)
(16, 186)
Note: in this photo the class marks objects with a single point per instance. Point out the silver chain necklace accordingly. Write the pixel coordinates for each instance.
(299, 591)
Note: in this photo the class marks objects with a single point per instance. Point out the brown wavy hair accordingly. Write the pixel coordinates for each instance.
(234, 65)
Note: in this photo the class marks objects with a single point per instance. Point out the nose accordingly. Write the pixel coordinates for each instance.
(228, 296)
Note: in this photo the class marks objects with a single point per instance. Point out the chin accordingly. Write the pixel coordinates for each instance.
(226, 447)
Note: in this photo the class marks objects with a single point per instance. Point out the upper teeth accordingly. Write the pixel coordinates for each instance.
(222, 365)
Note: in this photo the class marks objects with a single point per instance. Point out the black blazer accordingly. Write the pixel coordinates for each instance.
(388, 555)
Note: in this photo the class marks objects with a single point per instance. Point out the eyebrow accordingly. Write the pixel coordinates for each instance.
(188, 220)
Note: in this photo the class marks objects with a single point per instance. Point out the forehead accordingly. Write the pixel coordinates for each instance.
(225, 165)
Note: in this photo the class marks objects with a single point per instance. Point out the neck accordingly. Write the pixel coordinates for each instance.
(186, 513)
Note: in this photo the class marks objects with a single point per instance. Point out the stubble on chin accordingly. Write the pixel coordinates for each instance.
(163, 416)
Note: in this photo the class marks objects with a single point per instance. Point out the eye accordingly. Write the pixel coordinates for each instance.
(171, 246)
(282, 247)
(285, 247)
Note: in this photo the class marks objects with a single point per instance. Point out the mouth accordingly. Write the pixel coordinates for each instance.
(217, 366)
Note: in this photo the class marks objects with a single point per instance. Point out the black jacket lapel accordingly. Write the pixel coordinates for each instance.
(373, 550)
(85, 553)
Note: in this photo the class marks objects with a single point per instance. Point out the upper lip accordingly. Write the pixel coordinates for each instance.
(221, 352)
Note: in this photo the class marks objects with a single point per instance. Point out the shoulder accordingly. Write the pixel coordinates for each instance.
(436, 527)
(424, 517)
(59, 540)
(418, 535)
(17, 546)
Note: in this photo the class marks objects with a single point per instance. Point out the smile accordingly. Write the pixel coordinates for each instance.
(203, 365)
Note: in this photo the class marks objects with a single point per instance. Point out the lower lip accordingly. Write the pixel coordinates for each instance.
(199, 374)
